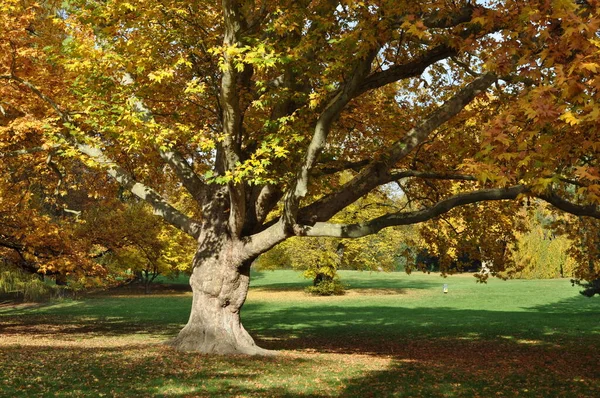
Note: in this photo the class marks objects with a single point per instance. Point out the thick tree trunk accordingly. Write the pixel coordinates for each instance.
(220, 284)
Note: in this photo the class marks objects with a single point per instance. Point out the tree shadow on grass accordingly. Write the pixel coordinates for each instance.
(381, 285)
(545, 351)
(73, 327)
(302, 327)
(298, 284)
(141, 371)
(158, 316)
(482, 369)
(368, 329)
(282, 287)
(541, 351)
(137, 289)
(574, 305)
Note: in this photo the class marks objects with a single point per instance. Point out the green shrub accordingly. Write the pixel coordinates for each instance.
(590, 288)
(327, 287)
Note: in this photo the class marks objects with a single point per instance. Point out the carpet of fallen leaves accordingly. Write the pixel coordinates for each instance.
(73, 356)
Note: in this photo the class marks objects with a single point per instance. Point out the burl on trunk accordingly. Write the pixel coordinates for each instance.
(220, 282)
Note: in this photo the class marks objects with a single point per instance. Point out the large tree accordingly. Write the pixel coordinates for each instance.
(232, 120)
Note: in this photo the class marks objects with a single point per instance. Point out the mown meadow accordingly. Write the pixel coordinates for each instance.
(392, 334)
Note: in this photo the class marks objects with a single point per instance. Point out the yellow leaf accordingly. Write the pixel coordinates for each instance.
(567, 5)
(594, 115)
(569, 118)
(591, 66)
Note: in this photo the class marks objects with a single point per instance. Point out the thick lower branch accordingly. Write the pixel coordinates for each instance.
(266, 239)
(570, 207)
(398, 175)
(159, 205)
(413, 217)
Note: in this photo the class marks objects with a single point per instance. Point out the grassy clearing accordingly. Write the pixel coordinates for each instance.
(391, 335)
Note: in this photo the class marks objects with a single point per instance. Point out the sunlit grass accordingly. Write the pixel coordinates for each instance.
(391, 335)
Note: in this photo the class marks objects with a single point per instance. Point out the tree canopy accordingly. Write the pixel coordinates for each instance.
(234, 120)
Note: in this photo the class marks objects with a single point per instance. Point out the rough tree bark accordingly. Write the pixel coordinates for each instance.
(220, 282)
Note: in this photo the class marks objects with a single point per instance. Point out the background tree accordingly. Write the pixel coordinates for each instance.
(540, 253)
(522, 243)
(320, 258)
(35, 233)
(136, 244)
(247, 109)
(60, 217)
(585, 249)
(463, 240)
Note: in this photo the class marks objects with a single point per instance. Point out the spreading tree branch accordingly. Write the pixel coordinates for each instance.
(400, 174)
(160, 206)
(570, 207)
(262, 241)
(435, 21)
(378, 172)
(322, 128)
(190, 180)
(63, 115)
(336, 167)
(410, 69)
(404, 218)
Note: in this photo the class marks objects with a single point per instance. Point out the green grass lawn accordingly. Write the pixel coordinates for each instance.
(391, 335)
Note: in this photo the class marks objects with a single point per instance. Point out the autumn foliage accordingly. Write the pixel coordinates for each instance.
(235, 121)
